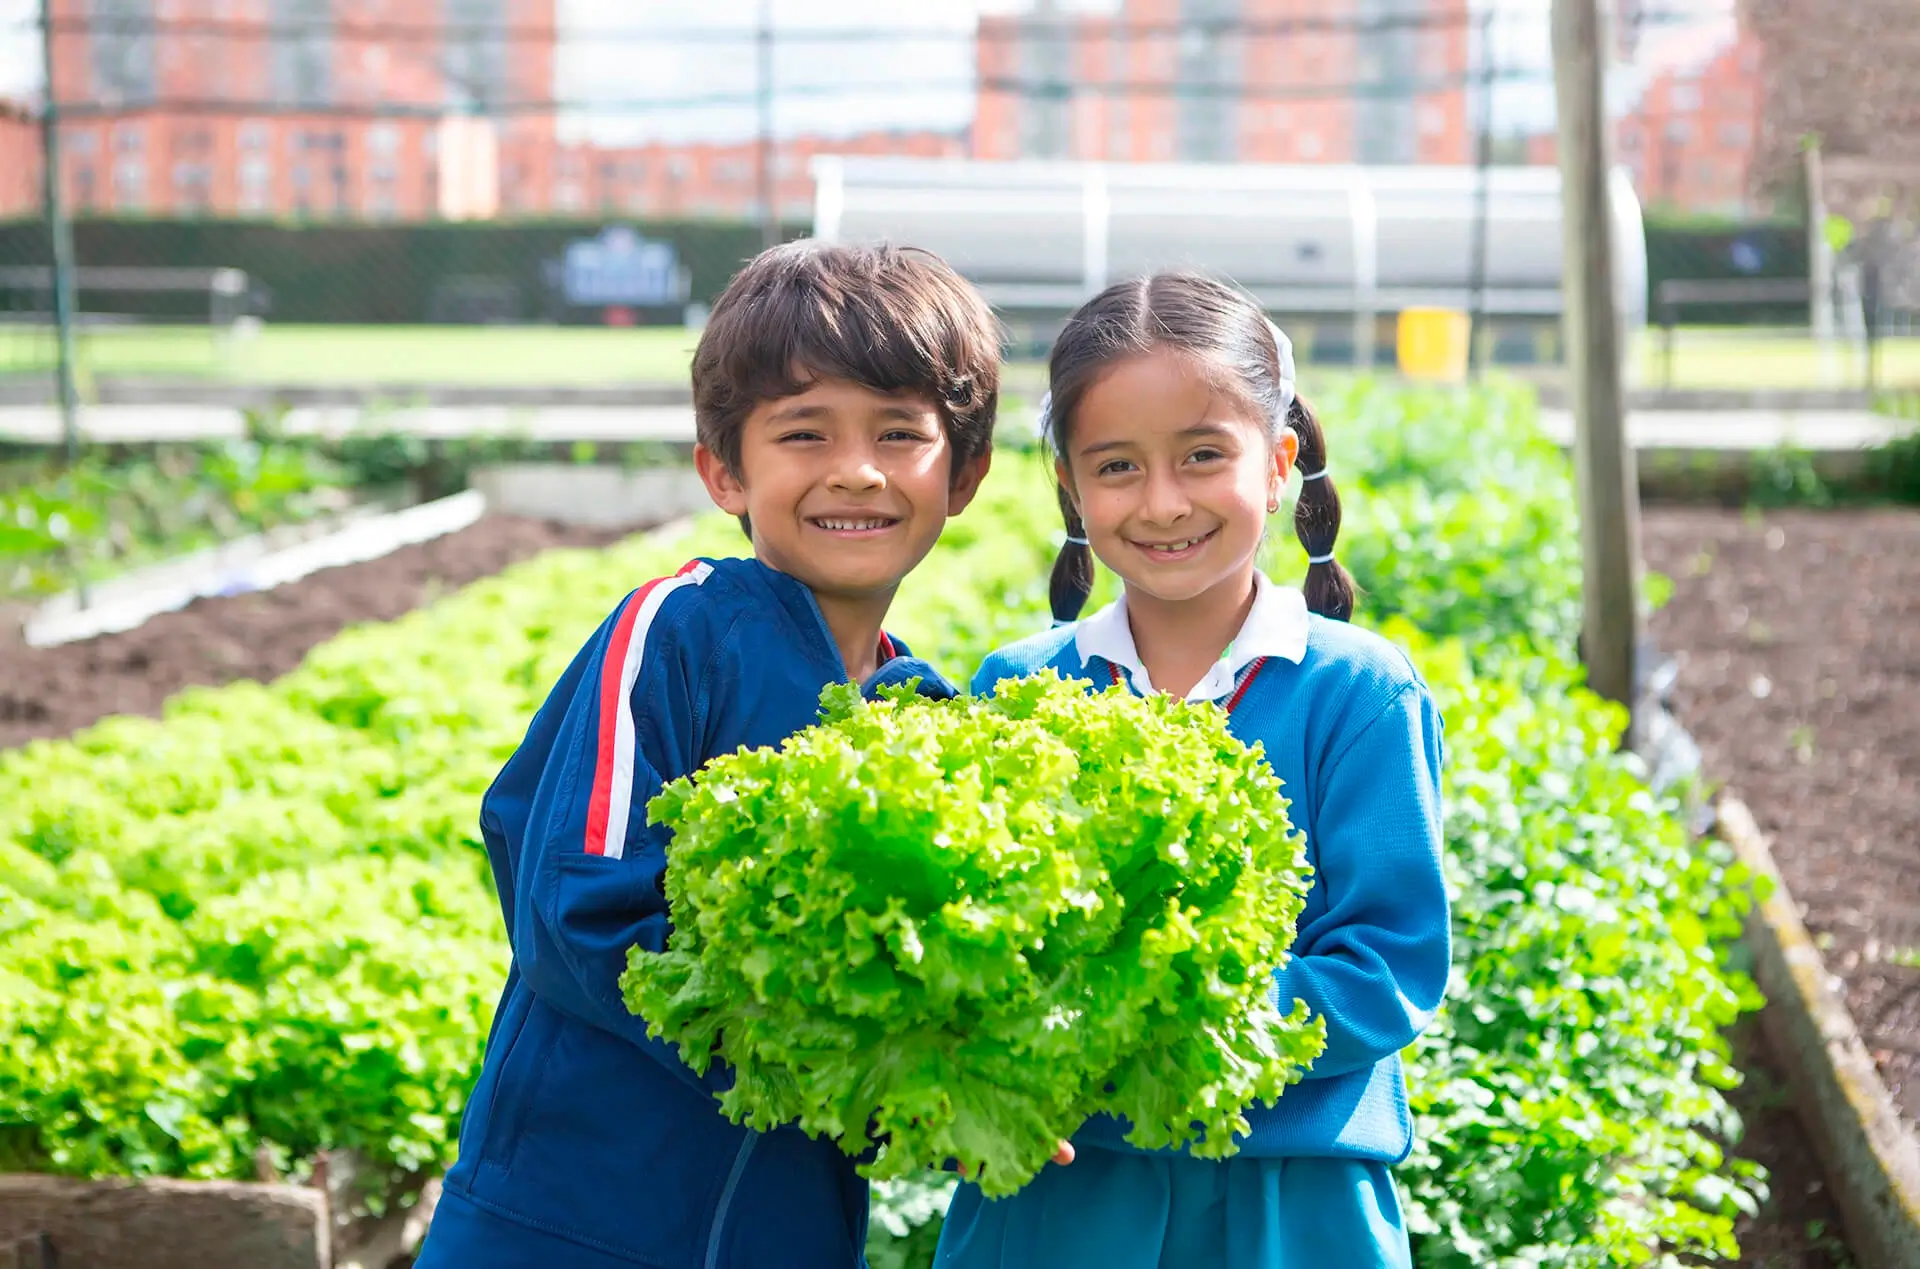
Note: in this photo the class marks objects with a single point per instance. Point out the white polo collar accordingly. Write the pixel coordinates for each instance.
(1276, 626)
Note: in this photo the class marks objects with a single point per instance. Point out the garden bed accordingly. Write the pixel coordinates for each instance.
(1798, 640)
(55, 691)
(277, 889)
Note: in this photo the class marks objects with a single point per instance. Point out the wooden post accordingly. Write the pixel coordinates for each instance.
(1603, 459)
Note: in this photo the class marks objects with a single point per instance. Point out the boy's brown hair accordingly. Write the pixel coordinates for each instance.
(894, 319)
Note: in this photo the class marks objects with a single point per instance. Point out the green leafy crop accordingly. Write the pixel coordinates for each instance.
(962, 927)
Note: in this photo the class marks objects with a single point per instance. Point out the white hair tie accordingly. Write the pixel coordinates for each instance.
(1321, 559)
(1078, 541)
(1314, 475)
(1283, 351)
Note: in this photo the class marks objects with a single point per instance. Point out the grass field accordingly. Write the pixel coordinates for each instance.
(371, 354)
(1704, 357)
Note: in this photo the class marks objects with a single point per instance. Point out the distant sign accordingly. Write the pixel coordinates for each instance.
(622, 268)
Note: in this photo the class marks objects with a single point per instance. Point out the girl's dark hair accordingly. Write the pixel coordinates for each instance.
(1230, 339)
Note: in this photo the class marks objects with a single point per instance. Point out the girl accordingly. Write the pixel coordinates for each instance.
(1174, 426)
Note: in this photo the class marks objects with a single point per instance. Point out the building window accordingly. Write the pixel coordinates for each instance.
(253, 135)
(130, 185)
(192, 187)
(1735, 136)
(129, 138)
(84, 196)
(730, 170)
(256, 185)
(383, 138)
(80, 143)
(1685, 97)
(1679, 131)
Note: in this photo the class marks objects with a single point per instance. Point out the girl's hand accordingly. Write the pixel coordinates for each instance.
(1062, 1156)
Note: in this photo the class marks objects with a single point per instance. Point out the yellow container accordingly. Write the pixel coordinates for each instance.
(1433, 344)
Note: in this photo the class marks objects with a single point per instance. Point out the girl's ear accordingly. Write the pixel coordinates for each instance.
(1064, 479)
(1286, 451)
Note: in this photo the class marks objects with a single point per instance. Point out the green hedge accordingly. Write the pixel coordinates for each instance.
(356, 272)
(1696, 248)
(374, 273)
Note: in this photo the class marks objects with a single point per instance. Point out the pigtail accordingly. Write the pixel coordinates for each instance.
(1316, 520)
(1072, 580)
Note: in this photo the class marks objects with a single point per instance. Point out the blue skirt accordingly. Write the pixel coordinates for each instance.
(1110, 1209)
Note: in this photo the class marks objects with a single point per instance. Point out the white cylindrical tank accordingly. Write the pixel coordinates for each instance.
(1326, 239)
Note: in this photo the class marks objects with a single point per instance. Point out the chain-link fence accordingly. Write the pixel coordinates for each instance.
(451, 193)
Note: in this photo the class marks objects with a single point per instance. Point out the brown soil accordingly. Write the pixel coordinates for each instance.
(1798, 639)
(1797, 635)
(1798, 1227)
(55, 691)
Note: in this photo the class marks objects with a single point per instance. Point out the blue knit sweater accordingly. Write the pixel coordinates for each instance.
(1354, 736)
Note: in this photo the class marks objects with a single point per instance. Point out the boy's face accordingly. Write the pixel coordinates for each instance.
(847, 489)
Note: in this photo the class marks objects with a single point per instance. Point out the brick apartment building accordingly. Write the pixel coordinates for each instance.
(717, 178)
(1265, 81)
(374, 109)
(356, 97)
(20, 171)
(1690, 141)
(1691, 138)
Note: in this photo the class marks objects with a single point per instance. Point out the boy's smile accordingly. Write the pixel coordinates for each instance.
(846, 489)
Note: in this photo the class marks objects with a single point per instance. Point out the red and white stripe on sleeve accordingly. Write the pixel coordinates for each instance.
(612, 798)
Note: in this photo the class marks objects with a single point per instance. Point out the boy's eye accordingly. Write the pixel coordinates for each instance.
(903, 434)
(801, 434)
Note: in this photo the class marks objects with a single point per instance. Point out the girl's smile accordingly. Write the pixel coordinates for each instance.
(1173, 478)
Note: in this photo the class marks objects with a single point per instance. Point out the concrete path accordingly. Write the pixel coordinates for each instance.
(1820, 430)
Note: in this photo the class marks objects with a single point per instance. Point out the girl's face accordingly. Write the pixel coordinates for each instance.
(1173, 479)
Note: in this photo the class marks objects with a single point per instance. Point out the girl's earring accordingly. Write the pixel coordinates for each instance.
(1273, 506)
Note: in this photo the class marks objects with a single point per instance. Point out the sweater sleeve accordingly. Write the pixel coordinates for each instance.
(1374, 964)
(583, 881)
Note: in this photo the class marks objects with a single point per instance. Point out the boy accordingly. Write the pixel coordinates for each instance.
(844, 400)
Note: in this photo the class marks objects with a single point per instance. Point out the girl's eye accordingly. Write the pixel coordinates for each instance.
(1113, 466)
(1206, 455)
